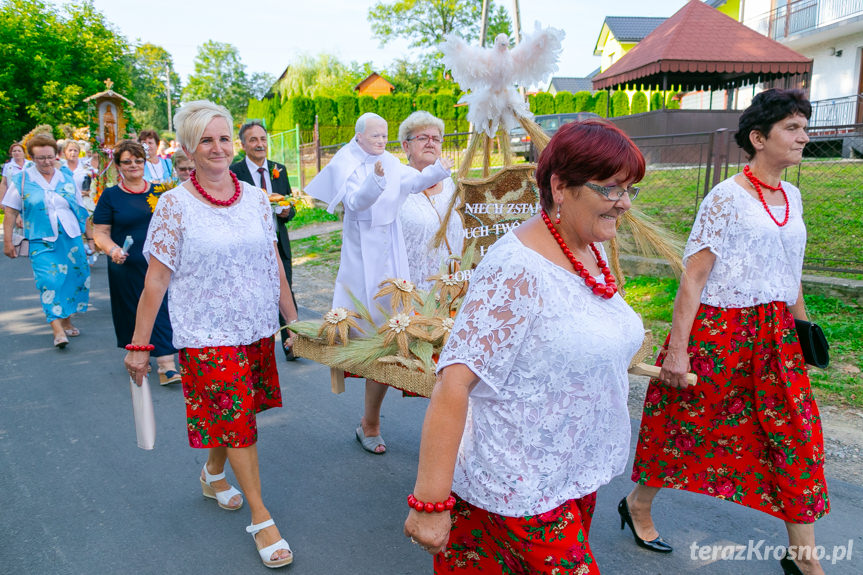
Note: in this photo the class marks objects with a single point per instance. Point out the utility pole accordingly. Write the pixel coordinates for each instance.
(516, 22)
(484, 26)
(168, 90)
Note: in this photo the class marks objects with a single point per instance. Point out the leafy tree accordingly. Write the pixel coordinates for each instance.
(321, 75)
(149, 66)
(424, 23)
(260, 84)
(220, 76)
(52, 57)
(620, 103)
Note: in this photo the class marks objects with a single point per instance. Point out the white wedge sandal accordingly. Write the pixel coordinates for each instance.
(223, 498)
(268, 551)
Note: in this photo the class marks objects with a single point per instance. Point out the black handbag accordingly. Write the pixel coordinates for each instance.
(813, 343)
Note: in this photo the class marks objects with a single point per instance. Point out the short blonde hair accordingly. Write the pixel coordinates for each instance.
(417, 120)
(192, 119)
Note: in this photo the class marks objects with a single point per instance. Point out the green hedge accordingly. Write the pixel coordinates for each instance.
(564, 103)
(349, 110)
(583, 101)
(426, 102)
(599, 103)
(655, 101)
(367, 104)
(541, 103)
(620, 104)
(639, 102)
(302, 111)
(326, 111)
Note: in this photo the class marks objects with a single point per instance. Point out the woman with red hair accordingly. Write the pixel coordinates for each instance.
(528, 417)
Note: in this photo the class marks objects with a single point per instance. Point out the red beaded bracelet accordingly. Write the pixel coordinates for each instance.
(438, 507)
(133, 347)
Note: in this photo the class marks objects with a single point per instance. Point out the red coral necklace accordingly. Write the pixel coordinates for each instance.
(606, 290)
(146, 187)
(213, 200)
(758, 184)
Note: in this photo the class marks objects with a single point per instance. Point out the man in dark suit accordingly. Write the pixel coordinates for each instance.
(272, 177)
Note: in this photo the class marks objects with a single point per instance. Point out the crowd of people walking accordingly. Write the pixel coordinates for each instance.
(528, 418)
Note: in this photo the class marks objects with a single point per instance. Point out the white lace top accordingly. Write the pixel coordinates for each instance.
(548, 420)
(756, 261)
(421, 219)
(225, 286)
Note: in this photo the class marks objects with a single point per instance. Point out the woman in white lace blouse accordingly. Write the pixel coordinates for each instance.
(421, 135)
(749, 431)
(528, 417)
(212, 241)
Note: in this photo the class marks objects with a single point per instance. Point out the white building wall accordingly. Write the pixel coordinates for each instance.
(835, 76)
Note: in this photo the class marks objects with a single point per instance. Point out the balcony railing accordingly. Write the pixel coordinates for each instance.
(836, 111)
(804, 15)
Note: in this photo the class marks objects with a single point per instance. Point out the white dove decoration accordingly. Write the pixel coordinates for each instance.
(492, 73)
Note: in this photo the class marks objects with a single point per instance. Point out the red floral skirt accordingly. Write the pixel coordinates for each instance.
(749, 431)
(225, 387)
(551, 542)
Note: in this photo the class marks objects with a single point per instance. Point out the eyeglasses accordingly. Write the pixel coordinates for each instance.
(43, 158)
(424, 139)
(614, 193)
(137, 161)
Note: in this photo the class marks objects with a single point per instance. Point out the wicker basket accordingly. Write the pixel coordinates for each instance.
(413, 381)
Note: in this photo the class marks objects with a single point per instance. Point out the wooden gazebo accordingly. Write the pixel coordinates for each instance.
(700, 48)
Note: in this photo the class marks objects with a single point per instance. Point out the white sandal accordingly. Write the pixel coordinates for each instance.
(268, 551)
(221, 497)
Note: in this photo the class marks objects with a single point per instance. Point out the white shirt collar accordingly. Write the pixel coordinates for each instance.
(253, 167)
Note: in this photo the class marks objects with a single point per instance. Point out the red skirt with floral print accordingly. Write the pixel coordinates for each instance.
(749, 431)
(225, 387)
(551, 542)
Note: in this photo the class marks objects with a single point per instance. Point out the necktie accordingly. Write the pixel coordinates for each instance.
(263, 175)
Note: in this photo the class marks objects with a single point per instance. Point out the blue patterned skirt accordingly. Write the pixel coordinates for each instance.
(62, 275)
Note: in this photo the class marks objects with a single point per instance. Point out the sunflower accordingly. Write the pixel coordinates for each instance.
(339, 321)
(402, 294)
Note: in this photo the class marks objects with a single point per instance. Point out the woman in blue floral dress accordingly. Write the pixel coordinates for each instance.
(54, 218)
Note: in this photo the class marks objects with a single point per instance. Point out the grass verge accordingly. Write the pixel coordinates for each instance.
(841, 383)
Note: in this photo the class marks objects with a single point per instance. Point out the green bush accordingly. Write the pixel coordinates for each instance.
(655, 101)
(599, 103)
(302, 112)
(564, 103)
(671, 103)
(639, 102)
(367, 104)
(461, 123)
(348, 110)
(445, 107)
(541, 103)
(426, 102)
(620, 104)
(583, 101)
(326, 111)
(283, 120)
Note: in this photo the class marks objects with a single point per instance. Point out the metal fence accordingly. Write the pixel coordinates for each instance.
(683, 168)
(284, 147)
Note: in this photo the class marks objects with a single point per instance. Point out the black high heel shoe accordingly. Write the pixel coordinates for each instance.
(789, 567)
(657, 544)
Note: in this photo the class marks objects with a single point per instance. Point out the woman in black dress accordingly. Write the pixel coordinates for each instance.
(124, 211)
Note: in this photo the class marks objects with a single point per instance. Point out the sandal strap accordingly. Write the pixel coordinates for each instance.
(224, 497)
(267, 552)
(209, 478)
(255, 527)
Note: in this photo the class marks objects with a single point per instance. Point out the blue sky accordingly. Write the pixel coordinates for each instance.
(269, 33)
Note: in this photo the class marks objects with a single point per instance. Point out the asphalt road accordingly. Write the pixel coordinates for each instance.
(78, 496)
